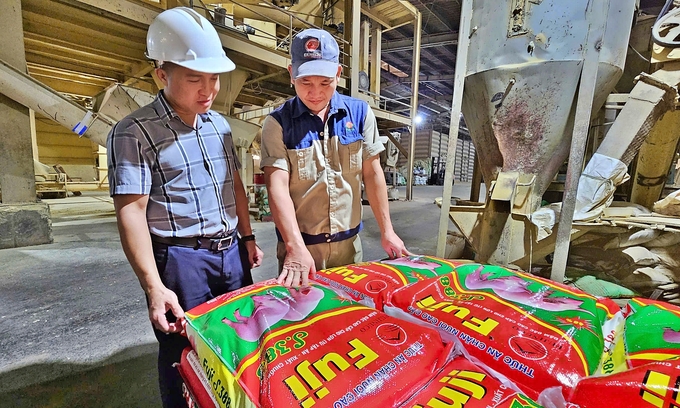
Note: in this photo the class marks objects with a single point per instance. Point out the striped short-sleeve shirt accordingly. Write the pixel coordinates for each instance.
(188, 173)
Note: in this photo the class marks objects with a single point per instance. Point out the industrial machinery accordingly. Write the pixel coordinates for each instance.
(528, 89)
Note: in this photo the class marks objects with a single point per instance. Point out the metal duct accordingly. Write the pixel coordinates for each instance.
(34, 95)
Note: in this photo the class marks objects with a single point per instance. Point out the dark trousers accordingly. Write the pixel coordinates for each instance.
(196, 276)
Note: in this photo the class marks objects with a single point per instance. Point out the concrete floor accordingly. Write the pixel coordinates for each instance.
(74, 330)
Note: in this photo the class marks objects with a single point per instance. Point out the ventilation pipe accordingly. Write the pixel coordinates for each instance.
(25, 90)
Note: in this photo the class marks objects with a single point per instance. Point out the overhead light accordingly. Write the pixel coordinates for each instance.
(418, 119)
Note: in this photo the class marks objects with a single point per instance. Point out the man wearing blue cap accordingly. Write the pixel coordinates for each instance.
(316, 150)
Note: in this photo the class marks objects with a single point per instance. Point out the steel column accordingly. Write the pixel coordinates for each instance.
(584, 107)
(415, 74)
(456, 107)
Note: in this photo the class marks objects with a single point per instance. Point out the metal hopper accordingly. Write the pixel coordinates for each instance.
(525, 59)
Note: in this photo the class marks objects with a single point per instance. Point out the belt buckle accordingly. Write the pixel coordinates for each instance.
(220, 244)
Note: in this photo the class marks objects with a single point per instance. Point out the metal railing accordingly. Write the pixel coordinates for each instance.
(219, 17)
(382, 101)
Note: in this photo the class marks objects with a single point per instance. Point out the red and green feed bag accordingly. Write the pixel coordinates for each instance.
(651, 331)
(652, 385)
(270, 346)
(372, 283)
(537, 333)
(461, 383)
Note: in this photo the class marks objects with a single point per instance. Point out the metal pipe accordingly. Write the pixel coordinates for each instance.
(415, 73)
(34, 95)
(654, 161)
(584, 106)
(454, 125)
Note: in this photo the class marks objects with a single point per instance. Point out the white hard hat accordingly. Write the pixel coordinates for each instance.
(182, 36)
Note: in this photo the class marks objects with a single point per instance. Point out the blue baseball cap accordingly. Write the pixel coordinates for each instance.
(314, 52)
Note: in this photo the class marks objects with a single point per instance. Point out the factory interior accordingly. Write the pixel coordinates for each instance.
(538, 140)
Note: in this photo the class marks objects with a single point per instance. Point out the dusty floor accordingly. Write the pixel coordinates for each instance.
(74, 330)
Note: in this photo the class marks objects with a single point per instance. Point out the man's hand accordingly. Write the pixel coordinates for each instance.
(255, 254)
(160, 301)
(297, 267)
(393, 245)
(298, 264)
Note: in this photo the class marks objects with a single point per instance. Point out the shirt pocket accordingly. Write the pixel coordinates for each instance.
(303, 165)
(351, 156)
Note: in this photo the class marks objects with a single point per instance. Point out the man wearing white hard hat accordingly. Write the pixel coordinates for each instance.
(182, 210)
(317, 148)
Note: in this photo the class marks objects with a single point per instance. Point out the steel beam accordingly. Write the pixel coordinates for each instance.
(251, 115)
(433, 40)
(68, 32)
(73, 61)
(93, 18)
(427, 78)
(71, 88)
(377, 17)
(390, 115)
(134, 11)
(46, 62)
(144, 15)
(79, 51)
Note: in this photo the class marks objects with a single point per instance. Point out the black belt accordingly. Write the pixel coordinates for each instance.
(325, 238)
(211, 243)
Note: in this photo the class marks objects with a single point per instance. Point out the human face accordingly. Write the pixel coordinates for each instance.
(315, 91)
(189, 92)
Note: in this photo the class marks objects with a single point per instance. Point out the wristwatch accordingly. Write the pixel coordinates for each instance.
(247, 238)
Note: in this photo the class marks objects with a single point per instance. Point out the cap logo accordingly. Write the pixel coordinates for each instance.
(312, 44)
(312, 48)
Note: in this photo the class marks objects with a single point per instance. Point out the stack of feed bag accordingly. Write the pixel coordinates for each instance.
(420, 331)
(641, 360)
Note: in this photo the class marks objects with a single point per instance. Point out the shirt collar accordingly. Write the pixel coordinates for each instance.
(163, 108)
(335, 105)
(166, 113)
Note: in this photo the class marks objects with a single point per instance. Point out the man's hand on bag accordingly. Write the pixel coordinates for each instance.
(393, 245)
(160, 302)
(297, 268)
